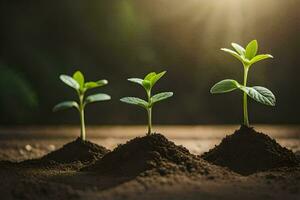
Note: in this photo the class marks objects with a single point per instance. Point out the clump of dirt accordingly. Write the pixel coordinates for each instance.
(76, 151)
(247, 151)
(149, 155)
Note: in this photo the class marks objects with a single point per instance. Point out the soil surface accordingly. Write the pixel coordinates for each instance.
(148, 155)
(163, 170)
(247, 151)
(73, 155)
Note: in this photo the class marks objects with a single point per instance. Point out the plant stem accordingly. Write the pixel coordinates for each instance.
(149, 111)
(245, 106)
(82, 122)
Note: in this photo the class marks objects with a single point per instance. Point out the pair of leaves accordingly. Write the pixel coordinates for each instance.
(73, 104)
(258, 93)
(154, 99)
(78, 83)
(149, 81)
(247, 56)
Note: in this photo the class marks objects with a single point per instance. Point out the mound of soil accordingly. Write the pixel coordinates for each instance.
(247, 151)
(148, 155)
(76, 151)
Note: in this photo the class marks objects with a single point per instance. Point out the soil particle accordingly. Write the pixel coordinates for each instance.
(77, 151)
(247, 151)
(149, 155)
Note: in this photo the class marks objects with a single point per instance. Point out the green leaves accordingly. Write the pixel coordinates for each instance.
(251, 49)
(92, 84)
(260, 57)
(96, 97)
(260, 94)
(149, 81)
(77, 81)
(224, 86)
(64, 105)
(247, 56)
(135, 101)
(79, 78)
(68, 80)
(161, 96)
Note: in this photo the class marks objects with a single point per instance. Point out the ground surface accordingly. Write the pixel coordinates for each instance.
(66, 182)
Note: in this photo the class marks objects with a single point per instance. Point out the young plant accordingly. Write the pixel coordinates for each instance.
(78, 83)
(247, 57)
(147, 83)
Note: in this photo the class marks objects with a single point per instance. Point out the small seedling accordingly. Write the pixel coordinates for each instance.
(248, 57)
(147, 83)
(78, 83)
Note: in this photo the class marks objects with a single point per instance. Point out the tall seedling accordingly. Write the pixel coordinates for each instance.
(78, 83)
(147, 83)
(247, 57)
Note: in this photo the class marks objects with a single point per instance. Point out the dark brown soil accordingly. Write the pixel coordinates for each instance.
(146, 156)
(78, 151)
(247, 151)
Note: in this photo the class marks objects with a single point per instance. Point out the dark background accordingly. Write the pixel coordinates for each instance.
(118, 39)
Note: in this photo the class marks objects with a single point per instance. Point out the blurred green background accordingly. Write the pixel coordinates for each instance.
(118, 39)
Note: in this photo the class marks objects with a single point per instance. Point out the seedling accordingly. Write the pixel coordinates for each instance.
(78, 83)
(147, 83)
(248, 57)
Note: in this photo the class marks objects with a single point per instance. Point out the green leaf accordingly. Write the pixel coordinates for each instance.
(155, 78)
(70, 81)
(161, 96)
(136, 80)
(64, 105)
(224, 86)
(260, 94)
(238, 48)
(146, 84)
(92, 84)
(97, 97)
(260, 57)
(251, 49)
(149, 76)
(78, 76)
(135, 101)
(233, 53)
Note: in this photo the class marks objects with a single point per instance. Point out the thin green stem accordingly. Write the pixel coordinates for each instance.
(82, 122)
(149, 112)
(245, 105)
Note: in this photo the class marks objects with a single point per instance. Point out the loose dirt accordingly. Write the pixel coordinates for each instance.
(149, 155)
(247, 151)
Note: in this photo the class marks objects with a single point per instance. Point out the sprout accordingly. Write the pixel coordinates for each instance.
(78, 83)
(248, 57)
(148, 82)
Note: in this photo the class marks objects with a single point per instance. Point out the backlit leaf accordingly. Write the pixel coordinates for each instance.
(155, 78)
(260, 57)
(97, 97)
(238, 48)
(233, 53)
(161, 96)
(224, 86)
(78, 76)
(260, 94)
(70, 81)
(64, 105)
(251, 49)
(135, 101)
